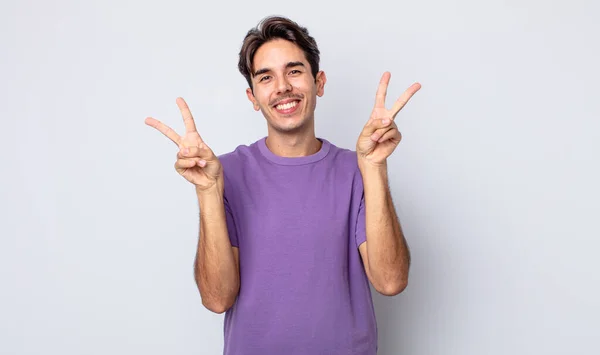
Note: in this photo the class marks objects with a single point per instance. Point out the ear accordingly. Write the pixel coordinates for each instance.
(252, 99)
(321, 80)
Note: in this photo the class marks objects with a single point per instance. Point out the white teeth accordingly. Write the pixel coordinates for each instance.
(287, 106)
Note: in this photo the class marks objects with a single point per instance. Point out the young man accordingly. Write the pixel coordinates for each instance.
(292, 228)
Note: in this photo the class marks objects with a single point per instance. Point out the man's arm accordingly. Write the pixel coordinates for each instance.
(216, 267)
(386, 255)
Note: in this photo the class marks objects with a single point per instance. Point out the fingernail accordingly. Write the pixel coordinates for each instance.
(186, 151)
(201, 163)
(385, 121)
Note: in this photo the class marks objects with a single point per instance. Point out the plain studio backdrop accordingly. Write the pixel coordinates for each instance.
(495, 180)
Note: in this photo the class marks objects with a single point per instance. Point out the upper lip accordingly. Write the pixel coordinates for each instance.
(285, 101)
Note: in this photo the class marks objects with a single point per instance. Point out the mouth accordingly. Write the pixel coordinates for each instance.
(287, 107)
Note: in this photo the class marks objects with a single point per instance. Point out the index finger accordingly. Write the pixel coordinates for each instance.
(403, 99)
(164, 129)
(188, 120)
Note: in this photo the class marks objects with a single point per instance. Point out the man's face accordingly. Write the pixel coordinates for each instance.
(284, 88)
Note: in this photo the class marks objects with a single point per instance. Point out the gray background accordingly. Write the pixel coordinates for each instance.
(495, 181)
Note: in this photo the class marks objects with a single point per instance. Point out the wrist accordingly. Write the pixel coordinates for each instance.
(373, 174)
(368, 166)
(204, 193)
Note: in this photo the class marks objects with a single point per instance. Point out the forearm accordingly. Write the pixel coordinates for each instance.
(388, 254)
(215, 269)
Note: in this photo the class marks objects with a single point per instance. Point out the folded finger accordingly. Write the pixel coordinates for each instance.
(379, 132)
(186, 163)
(375, 124)
(391, 134)
(203, 151)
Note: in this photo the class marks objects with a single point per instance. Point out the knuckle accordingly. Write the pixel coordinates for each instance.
(182, 163)
(193, 151)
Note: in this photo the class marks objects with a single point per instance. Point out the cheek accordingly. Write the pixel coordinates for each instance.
(261, 93)
(263, 101)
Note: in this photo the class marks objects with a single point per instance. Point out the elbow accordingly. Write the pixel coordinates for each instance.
(217, 299)
(218, 306)
(218, 302)
(393, 288)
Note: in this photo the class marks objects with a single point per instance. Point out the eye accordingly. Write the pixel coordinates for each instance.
(264, 77)
(295, 71)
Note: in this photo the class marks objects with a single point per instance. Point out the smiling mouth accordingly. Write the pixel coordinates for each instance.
(287, 107)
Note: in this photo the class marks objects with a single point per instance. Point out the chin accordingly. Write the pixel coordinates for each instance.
(288, 127)
(287, 124)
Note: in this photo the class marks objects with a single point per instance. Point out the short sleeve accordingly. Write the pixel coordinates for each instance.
(361, 228)
(231, 228)
(360, 232)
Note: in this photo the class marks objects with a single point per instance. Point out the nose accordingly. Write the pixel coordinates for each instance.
(283, 85)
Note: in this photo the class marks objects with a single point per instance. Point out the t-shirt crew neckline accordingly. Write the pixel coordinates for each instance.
(267, 153)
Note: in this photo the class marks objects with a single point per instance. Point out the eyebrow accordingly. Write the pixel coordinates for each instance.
(287, 66)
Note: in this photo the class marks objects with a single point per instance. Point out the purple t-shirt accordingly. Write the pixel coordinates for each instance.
(298, 223)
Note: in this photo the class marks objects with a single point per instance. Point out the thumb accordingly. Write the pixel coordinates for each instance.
(201, 151)
(374, 124)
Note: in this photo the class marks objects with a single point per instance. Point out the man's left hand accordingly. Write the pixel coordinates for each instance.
(380, 136)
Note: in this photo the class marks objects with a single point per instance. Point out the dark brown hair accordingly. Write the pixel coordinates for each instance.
(276, 27)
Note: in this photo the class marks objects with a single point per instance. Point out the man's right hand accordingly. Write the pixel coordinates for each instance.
(196, 162)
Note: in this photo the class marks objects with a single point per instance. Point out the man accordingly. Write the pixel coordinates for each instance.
(292, 228)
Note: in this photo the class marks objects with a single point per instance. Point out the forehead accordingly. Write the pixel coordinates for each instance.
(277, 53)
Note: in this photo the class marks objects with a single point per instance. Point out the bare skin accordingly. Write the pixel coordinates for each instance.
(385, 254)
(216, 267)
(284, 76)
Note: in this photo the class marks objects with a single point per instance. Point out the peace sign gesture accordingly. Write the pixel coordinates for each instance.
(380, 136)
(196, 162)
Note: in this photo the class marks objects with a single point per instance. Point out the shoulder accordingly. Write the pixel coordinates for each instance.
(237, 163)
(344, 158)
(345, 161)
(235, 158)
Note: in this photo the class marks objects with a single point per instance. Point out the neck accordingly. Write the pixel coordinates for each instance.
(293, 145)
